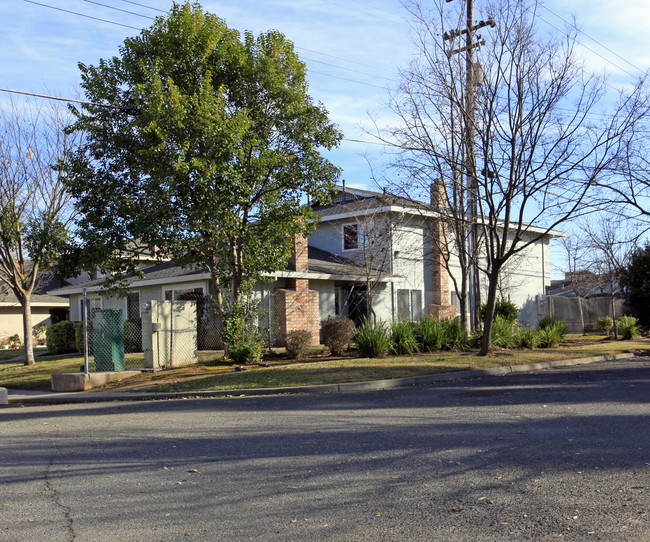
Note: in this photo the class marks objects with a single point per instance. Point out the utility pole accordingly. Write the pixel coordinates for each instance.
(469, 158)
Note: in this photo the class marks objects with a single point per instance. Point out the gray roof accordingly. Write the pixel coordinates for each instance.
(320, 261)
(352, 203)
(45, 281)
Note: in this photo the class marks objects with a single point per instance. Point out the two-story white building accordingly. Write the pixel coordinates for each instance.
(370, 253)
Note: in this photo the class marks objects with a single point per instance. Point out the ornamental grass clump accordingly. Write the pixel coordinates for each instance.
(605, 323)
(403, 337)
(552, 331)
(505, 332)
(431, 333)
(455, 335)
(628, 327)
(528, 338)
(373, 340)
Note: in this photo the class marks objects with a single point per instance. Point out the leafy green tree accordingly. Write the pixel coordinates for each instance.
(203, 144)
(34, 203)
(635, 280)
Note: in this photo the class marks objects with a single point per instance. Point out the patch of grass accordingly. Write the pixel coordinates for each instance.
(16, 375)
(359, 369)
(213, 374)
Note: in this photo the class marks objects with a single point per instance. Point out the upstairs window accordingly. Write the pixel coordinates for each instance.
(350, 237)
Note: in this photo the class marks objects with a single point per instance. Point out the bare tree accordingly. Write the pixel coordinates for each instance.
(537, 147)
(575, 249)
(610, 243)
(369, 241)
(35, 204)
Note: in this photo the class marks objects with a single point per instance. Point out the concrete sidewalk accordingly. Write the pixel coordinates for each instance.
(48, 397)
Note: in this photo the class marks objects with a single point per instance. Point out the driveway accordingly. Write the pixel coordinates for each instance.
(552, 455)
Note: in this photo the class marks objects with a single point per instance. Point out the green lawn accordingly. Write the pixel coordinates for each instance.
(213, 375)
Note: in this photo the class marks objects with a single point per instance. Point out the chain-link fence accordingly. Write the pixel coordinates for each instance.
(592, 308)
(172, 330)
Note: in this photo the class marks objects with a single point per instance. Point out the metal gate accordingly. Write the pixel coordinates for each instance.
(170, 334)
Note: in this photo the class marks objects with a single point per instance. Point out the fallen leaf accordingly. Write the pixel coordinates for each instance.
(458, 509)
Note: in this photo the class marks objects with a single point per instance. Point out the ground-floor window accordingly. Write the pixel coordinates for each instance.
(409, 304)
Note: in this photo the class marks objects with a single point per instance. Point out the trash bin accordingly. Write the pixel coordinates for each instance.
(108, 340)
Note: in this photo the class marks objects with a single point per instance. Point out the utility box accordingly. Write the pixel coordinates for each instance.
(108, 340)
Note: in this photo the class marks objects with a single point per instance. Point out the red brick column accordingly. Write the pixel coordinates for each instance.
(296, 306)
(440, 308)
(296, 310)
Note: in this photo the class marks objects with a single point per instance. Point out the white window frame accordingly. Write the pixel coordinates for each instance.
(178, 287)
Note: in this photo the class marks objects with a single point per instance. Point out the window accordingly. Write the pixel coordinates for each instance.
(409, 304)
(416, 304)
(94, 305)
(183, 294)
(350, 237)
(133, 306)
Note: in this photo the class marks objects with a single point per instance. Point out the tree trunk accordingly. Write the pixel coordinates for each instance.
(582, 316)
(486, 341)
(27, 331)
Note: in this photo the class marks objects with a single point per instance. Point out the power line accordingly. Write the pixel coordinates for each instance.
(81, 14)
(118, 9)
(58, 98)
(588, 36)
(144, 6)
(152, 18)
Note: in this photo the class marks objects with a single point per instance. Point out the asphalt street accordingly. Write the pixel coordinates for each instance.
(562, 454)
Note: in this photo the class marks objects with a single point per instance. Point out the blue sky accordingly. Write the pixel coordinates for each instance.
(352, 48)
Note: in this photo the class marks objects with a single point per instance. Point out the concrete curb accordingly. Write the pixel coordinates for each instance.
(27, 397)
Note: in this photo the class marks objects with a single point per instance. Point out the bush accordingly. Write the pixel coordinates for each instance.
(298, 343)
(245, 352)
(503, 308)
(605, 323)
(337, 334)
(430, 333)
(551, 332)
(403, 337)
(505, 332)
(79, 337)
(60, 338)
(372, 341)
(628, 326)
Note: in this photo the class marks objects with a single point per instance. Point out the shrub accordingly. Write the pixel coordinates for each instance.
(60, 338)
(245, 352)
(505, 332)
(628, 326)
(503, 308)
(337, 334)
(605, 323)
(79, 337)
(430, 333)
(403, 337)
(455, 335)
(298, 343)
(372, 341)
(552, 321)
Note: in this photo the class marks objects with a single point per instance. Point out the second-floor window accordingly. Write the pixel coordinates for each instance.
(350, 236)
